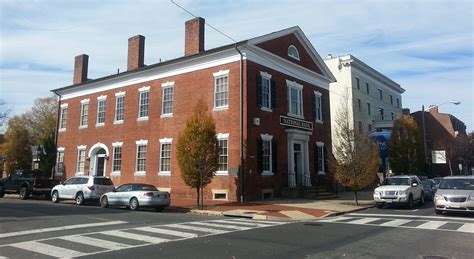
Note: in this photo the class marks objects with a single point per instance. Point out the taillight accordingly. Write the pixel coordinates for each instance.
(148, 194)
(90, 188)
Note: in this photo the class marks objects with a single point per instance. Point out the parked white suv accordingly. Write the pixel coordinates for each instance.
(82, 188)
(403, 189)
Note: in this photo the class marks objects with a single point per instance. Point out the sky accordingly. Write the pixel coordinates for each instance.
(425, 46)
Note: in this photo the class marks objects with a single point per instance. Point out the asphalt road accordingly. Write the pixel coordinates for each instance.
(120, 233)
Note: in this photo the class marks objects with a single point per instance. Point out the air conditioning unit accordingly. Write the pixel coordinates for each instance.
(256, 121)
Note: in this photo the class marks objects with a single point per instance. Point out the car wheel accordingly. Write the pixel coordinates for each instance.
(55, 197)
(104, 202)
(2, 193)
(438, 211)
(410, 202)
(133, 204)
(379, 205)
(79, 198)
(24, 193)
(422, 199)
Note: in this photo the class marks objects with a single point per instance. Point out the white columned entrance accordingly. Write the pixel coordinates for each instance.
(298, 158)
(98, 154)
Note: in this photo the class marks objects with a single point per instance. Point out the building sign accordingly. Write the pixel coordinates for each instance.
(296, 123)
(438, 156)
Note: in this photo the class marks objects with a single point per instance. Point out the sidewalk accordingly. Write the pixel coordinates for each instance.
(289, 209)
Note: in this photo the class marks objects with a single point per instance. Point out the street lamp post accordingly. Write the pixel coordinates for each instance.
(424, 128)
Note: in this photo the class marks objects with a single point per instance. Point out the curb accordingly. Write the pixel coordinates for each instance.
(206, 212)
(347, 211)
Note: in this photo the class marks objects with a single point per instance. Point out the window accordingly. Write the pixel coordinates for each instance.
(367, 87)
(398, 103)
(359, 105)
(380, 94)
(293, 52)
(360, 126)
(117, 158)
(295, 99)
(370, 127)
(393, 115)
(167, 102)
(318, 108)
(266, 93)
(84, 113)
(119, 107)
(81, 159)
(63, 120)
(143, 103)
(266, 154)
(60, 155)
(221, 89)
(222, 142)
(391, 99)
(381, 113)
(320, 156)
(101, 110)
(140, 168)
(358, 83)
(368, 109)
(165, 156)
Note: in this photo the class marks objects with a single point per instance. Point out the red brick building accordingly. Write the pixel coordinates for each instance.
(268, 96)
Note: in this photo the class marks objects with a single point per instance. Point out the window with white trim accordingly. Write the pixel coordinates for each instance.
(60, 155)
(143, 103)
(84, 113)
(117, 157)
(398, 103)
(293, 52)
(223, 146)
(168, 98)
(320, 153)
(221, 89)
(267, 156)
(81, 159)
(101, 110)
(119, 107)
(318, 107)
(165, 156)
(266, 92)
(140, 167)
(63, 117)
(295, 99)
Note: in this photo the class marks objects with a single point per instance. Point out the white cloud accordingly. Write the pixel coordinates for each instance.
(426, 46)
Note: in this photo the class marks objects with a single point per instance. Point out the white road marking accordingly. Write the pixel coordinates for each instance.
(334, 219)
(168, 232)
(409, 216)
(109, 245)
(467, 227)
(241, 223)
(363, 220)
(259, 221)
(395, 222)
(43, 230)
(206, 224)
(431, 225)
(50, 250)
(208, 230)
(128, 235)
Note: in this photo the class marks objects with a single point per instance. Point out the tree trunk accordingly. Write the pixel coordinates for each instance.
(356, 199)
(198, 198)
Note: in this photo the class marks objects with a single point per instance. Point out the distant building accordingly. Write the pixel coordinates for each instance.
(447, 143)
(373, 100)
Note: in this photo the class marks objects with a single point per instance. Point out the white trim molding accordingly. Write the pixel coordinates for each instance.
(64, 105)
(102, 97)
(265, 75)
(166, 140)
(222, 136)
(141, 142)
(117, 144)
(60, 149)
(84, 101)
(144, 89)
(81, 147)
(167, 84)
(118, 94)
(294, 84)
(266, 137)
(221, 73)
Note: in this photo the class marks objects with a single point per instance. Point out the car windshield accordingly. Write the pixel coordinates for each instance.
(144, 187)
(437, 180)
(457, 184)
(396, 181)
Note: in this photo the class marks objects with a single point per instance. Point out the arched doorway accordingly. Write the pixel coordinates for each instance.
(98, 154)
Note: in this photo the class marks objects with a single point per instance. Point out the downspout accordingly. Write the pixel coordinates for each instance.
(57, 128)
(241, 145)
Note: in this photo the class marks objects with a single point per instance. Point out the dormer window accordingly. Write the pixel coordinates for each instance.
(293, 52)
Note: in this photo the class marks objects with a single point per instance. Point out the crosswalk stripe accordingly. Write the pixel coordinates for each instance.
(431, 225)
(219, 225)
(50, 250)
(208, 230)
(334, 219)
(259, 221)
(127, 235)
(467, 227)
(109, 245)
(241, 223)
(167, 232)
(363, 220)
(395, 222)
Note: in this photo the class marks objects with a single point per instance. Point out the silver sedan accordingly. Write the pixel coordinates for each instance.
(455, 193)
(136, 195)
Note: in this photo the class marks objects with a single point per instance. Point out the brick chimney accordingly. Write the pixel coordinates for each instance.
(136, 52)
(194, 36)
(81, 64)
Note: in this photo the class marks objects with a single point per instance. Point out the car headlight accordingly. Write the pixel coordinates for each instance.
(438, 197)
(402, 192)
(471, 197)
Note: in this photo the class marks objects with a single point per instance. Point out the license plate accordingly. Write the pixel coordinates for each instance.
(454, 206)
(388, 201)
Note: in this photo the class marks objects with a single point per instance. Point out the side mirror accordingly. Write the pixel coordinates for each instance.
(414, 184)
(378, 185)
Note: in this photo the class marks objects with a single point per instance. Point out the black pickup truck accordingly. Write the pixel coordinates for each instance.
(27, 182)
